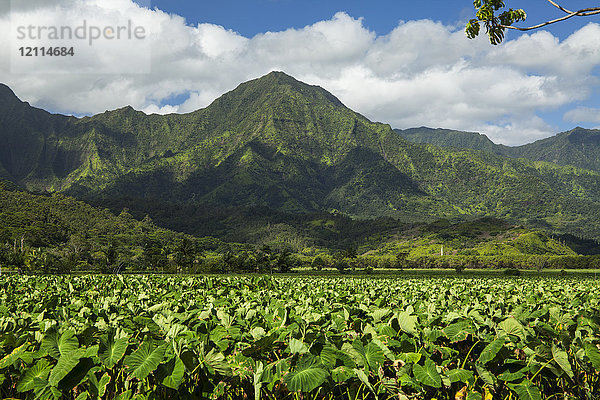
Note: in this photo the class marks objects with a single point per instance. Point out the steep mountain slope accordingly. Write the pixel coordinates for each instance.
(578, 147)
(271, 142)
(29, 136)
(279, 143)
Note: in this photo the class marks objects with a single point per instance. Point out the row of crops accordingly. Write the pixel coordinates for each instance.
(146, 337)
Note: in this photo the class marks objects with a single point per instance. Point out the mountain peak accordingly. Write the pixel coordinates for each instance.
(279, 85)
(127, 110)
(7, 95)
(580, 135)
(280, 77)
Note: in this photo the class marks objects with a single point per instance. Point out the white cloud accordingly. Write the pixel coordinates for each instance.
(421, 73)
(583, 114)
(516, 130)
(154, 109)
(216, 42)
(575, 56)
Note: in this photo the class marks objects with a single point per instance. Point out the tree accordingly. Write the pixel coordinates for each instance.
(318, 263)
(185, 254)
(401, 259)
(497, 19)
(284, 261)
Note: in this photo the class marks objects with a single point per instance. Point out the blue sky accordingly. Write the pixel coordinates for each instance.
(406, 63)
(251, 17)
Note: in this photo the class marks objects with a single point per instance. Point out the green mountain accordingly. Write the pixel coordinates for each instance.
(452, 138)
(578, 147)
(278, 143)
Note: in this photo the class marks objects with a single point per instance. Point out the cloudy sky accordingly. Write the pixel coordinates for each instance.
(403, 63)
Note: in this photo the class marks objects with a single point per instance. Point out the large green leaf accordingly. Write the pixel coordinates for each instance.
(592, 353)
(40, 370)
(511, 376)
(474, 396)
(460, 375)
(562, 359)
(349, 357)
(145, 359)
(76, 375)
(103, 384)
(342, 374)
(490, 351)
(427, 374)
(216, 362)
(65, 364)
(486, 375)
(56, 344)
(260, 346)
(94, 386)
(360, 374)
(511, 326)
(83, 396)
(175, 371)
(13, 356)
(328, 356)
(257, 381)
(380, 314)
(44, 391)
(111, 350)
(258, 332)
(307, 376)
(371, 354)
(407, 322)
(124, 396)
(458, 331)
(273, 372)
(526, 390)
(298, 346)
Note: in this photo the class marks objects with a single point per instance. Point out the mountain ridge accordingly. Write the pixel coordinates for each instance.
(279, 143)
(578, 147)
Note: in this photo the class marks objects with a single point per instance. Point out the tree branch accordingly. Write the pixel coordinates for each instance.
(584, 12)
(560, 7)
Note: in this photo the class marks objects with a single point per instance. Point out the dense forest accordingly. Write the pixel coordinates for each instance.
(58, 234)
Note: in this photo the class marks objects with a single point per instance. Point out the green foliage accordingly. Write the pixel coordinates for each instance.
(495, 24)
(58, 234)
(307, 376)
(427, 375)
(230, 337)
(111, 350)
(144, 360)
(497, 19)
(89, 239)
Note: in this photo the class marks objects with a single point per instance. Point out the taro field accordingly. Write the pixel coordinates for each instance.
(262, 337)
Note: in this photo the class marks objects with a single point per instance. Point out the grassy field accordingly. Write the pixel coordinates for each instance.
(467, 336)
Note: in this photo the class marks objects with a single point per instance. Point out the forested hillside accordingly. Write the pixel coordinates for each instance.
(286, 146)
(578, 147)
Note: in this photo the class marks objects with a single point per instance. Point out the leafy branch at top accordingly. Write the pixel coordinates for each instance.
(497, 19)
